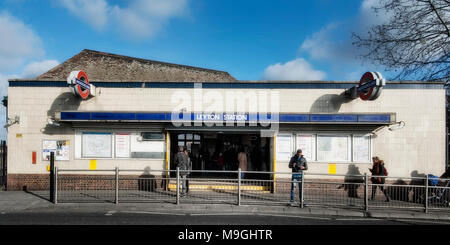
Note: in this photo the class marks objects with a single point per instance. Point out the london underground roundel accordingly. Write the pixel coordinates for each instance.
(79, 83)
(370, 85)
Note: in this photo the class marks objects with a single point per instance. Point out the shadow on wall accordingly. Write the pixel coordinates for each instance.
(352, 182)
(329, 103)
(147, 181)
(417, 192)
(64, 102)
(411, 193)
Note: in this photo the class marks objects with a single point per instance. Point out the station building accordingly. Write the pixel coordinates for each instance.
(136, 112)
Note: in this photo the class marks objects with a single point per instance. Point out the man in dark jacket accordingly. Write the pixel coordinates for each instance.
(181, 162)
(298, 164)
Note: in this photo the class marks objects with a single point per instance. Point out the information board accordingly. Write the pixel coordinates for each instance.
(122, 145)
(332, 148)
(305, 143)
(61, 149)
(361, 145)
(284, 147)
(96, 145)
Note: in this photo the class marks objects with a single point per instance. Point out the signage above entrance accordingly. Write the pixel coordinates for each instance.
(221, 117)
(362, 118)
(79, 84)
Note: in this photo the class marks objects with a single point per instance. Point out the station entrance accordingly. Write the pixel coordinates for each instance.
(218, 151)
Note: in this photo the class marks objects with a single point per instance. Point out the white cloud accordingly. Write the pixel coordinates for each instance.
(139, 20)
(333, 43)
(298, 69)
(94, 12)
(327, 44)
(35, 69)
(17, 43)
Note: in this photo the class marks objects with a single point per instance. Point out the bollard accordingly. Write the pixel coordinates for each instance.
(56, 185)
(239, 187)
(426, 195)
(52, 177)
(366, 192)
(302, 189)
(178, 185)
(117, 186)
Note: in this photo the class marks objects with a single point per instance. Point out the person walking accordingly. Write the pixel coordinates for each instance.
(298, 164)
(242, 159)
(378, 169)
(181, 162)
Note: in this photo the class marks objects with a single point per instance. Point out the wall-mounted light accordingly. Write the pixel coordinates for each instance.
(396, 126)
(12, 121)
(52, 122)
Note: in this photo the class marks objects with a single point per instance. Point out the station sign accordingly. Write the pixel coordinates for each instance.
(220, 117)
(370, 86)
(79, 84)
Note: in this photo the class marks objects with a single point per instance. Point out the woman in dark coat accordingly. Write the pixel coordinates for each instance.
(377, 170)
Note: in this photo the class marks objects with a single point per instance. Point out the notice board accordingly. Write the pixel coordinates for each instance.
(283, 147)
(61, 148)
(96, 145)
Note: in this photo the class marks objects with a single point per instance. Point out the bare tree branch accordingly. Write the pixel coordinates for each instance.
(414, 42)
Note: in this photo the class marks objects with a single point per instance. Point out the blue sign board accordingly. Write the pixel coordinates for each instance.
(219, 117)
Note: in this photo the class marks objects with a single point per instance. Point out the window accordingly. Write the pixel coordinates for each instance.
(332, 148)
(152, 136)
(324, 147)
(188, 140)
(120, 145)
(152, 147)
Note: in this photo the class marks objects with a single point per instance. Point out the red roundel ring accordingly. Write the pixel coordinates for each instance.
(83, 93)
(367, 77)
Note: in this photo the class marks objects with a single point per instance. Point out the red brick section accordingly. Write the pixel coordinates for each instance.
(82, 182)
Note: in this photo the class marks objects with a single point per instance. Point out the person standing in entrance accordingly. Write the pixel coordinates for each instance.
(181, 162)
(189, 168)
(298, 164)
(242, 159)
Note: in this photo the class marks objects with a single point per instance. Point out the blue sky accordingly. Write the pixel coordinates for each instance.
(250, 39)
(244, 38)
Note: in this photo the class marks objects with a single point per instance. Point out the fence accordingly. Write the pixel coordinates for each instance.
(250, 188)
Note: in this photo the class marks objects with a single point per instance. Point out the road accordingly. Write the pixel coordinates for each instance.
(112, 217)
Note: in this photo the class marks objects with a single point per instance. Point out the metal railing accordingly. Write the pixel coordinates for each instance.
(251, 188)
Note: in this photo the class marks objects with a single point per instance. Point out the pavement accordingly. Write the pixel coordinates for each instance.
(21, 201)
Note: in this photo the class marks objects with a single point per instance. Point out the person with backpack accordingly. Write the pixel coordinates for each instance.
(298, 164)
(378, 169)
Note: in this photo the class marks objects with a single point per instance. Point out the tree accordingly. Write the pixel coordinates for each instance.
(414, 41)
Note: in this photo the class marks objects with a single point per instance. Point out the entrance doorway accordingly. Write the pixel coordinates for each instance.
(219, 152)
